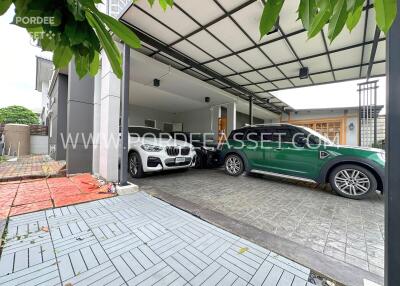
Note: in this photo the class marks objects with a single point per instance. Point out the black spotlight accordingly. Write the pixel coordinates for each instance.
(207, 99)
(303, 73)
(156, 82)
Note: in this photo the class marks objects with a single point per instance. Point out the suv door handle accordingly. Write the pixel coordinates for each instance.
(278, 149)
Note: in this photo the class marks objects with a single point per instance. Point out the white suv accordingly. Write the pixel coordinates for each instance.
(150, 150)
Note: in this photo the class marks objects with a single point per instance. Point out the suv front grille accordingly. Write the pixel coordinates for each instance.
(172, 151)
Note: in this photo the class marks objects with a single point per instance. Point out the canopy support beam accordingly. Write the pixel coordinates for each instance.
(392, 179)
(123, 172)
(373, 52)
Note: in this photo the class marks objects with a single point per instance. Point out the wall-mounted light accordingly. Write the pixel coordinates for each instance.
(351, 126)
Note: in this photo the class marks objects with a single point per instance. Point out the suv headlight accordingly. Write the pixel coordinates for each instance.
(151, 148)
(382, 156)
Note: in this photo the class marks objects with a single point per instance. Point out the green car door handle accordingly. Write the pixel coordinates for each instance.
(278, 149)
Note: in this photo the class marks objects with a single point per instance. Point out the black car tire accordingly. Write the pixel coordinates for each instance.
(134, 159)
(198, 160)
(234, 165)
(353, 181)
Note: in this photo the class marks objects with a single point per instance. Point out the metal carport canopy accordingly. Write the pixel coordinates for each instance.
(218, 41)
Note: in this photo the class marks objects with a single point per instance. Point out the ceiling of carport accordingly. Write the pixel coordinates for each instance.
(178, 91)
(218, 42)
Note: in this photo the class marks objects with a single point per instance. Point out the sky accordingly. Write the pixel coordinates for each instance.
(18, 68)
(342, 94)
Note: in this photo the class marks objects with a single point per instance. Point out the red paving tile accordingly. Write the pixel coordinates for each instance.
(59, 182)
(19, 197)
(72, 200)
(22, 199)
(4, 211)
(64, 191)
(33, 207)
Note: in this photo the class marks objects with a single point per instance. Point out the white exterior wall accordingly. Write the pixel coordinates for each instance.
(39, 144)
(109, 122)
(352, 135)
(96, 123)
(45, 103)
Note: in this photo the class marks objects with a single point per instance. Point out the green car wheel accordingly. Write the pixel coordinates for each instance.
(353, 181)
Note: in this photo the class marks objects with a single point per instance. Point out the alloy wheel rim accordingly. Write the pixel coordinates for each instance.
(233, 165)
(134, 164)
(352, 182)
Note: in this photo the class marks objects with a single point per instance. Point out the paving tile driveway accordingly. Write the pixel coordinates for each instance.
(348, 230)
(134, 240)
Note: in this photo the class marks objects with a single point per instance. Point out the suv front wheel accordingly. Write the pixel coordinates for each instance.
(234, 165)
(135, 165)
(352, 181)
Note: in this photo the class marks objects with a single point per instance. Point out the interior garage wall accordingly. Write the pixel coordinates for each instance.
(138, 114)
(243, 119)
(198, 121)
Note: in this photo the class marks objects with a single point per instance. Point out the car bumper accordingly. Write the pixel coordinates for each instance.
(154, 163)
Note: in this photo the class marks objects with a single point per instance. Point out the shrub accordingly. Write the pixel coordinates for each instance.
(18, 114)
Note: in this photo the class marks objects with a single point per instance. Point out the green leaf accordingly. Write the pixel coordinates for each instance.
(163, 4)
(122, 31)
(82, 65)
(94, 65)
(307, 10)
(151, 2)
(62, 56)
(4, 6)
(355, 12)
(76, 9)
(107, 43)
(57, 18)
(170, 3)
(270, 15)
(386, 11)
(338, 19)
(322, 17)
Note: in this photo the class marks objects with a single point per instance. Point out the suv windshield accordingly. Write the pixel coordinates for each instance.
(147, 132)
(317, 137)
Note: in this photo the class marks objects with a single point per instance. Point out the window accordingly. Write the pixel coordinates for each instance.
(266, 134)
(253, 135)
(150, 123)
(332, 129)
(237, 134)
(283, 134)
(147, 132)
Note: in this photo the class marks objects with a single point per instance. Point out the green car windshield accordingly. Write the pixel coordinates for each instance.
(320, 137)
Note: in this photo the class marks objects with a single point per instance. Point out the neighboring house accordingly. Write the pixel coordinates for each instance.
(340, 124)
(44, 70)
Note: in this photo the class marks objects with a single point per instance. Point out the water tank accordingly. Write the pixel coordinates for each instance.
(17, 139)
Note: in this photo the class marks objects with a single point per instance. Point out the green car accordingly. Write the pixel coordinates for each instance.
(300, 153)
